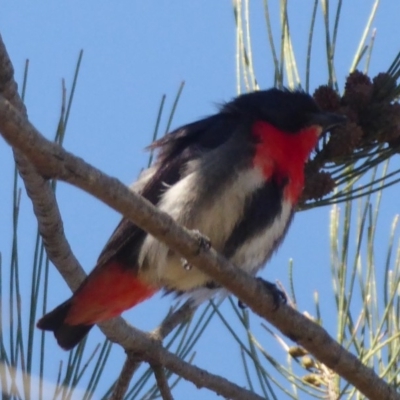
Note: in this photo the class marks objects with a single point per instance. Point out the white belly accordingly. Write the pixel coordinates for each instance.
(251, 254)
(215, 220)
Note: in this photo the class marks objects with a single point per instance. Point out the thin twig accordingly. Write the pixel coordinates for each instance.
(162, 382)
(173, 319)
(132, 363)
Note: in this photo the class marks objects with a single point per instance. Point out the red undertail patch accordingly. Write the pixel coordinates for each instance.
(106, 294)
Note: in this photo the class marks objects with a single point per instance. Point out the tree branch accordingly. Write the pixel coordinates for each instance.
(131, 365)
(53, 161)
(173, 319)
(133, 362)
(162, 382)
(151, 351)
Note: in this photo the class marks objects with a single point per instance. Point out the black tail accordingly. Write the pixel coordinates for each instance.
(68, 336)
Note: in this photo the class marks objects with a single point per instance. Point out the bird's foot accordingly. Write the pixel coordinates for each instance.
(204, 244)
(204, 241)
(278, 296)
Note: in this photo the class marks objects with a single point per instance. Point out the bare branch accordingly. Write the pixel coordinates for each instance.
(151, 351)
(131, 365)
(133, 362)
(162, 382)
(8, 87)
(173, 319)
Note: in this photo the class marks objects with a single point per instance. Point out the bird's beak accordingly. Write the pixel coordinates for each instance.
(327, 120)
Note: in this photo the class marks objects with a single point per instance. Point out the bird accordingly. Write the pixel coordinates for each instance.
(235, 176)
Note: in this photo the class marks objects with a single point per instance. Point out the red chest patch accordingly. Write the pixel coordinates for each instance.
(282, 155)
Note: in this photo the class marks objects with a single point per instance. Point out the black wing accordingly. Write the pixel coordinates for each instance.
(174, 150)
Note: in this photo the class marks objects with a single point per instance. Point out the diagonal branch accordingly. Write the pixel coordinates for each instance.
(162, 382)
(131, 365)
(54, 162)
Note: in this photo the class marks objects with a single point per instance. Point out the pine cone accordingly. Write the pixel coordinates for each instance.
(327, 98)
(358, 91)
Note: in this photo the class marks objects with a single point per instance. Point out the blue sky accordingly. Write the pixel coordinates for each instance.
(134, 52)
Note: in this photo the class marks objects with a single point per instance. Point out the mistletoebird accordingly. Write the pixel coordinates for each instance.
(235, 176)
